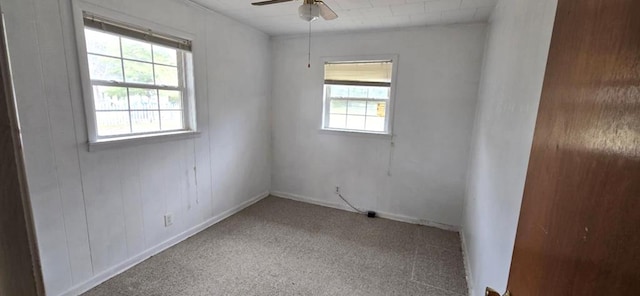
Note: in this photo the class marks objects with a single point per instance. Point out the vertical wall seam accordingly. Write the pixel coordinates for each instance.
(53, 150)
(75, 134)
(140, 198)
(271, 75)
(124, 216)
(195, 178)
(209, 128)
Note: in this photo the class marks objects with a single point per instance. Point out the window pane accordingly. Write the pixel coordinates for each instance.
(382, 109)
(164, 55)
(355, 122)
(104, 68)
(111, 123)
(375, 124)
(338, 107)
(110, 98)
(357, 107)
(339, 91)
(102, 43)
(171, 120)
(166, 75)
(136, 50)
(143, 98)
(170, 99)
(372, 108)
(337, 121)
(145, 121)
(137, 72)
(376, 108)
(378, 92)
(358, 92)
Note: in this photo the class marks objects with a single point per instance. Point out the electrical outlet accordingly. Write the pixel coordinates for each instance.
(337, 189)
(168, 220)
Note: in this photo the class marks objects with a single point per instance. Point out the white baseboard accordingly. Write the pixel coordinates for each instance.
(385, 215)
(467, 263)
(115, 270)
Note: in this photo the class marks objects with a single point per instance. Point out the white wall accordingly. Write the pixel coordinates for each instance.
(98, 212)
(515, 59)
(437, 83)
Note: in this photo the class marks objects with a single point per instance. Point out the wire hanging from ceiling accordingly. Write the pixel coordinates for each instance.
(309, 53)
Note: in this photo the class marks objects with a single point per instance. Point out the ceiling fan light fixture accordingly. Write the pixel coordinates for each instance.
(309, 12)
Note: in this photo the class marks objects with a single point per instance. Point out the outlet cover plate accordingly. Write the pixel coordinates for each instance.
(168, 220)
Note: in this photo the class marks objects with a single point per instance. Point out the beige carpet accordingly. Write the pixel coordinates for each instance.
(284, 247)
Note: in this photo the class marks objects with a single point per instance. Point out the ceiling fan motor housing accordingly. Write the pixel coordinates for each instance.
(309, 12)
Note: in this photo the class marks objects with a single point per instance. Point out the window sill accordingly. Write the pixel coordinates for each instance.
(343, 132)
(140, 140)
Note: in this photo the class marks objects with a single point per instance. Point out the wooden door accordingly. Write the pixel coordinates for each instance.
(19, 267)
(579, 228)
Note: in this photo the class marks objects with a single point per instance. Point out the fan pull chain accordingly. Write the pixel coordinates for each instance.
(309, 55)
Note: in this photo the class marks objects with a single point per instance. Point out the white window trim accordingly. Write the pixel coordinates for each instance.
(394, 58)
(127, 141)
(96, 143)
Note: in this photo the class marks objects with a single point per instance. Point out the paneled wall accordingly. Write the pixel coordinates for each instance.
(419, 178)
(99, 212)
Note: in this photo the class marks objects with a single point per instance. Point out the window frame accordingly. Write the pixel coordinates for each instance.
(327, 106)
(184, 91)
(185, 69)
(389, 113)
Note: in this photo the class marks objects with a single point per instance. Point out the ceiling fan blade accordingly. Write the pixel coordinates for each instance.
(326, 12)
(269, 2)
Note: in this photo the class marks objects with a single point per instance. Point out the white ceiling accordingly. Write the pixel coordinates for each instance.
(282, 18)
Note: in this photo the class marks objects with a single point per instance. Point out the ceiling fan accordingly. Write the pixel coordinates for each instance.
(309, 11)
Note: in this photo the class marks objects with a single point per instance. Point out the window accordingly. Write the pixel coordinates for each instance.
(358, 96)
(138, 81)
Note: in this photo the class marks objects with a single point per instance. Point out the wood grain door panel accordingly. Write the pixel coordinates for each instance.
(579, 225)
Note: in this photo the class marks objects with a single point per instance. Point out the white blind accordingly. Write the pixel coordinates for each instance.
(359, 73)
(103, 24)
